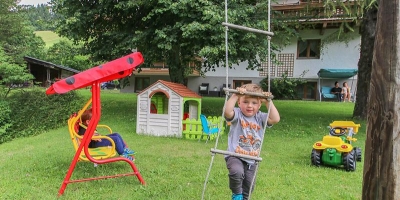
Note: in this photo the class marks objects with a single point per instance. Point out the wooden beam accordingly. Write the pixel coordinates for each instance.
(381, 178)
(323, 28)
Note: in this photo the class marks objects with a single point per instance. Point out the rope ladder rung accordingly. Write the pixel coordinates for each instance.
(227, 90)
(236, 154)
(248, 29)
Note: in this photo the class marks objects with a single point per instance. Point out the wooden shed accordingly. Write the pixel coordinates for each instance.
(163, 105)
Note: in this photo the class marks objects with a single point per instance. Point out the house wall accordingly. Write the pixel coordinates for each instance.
(333, 55)
(153, 78)
(159, 124)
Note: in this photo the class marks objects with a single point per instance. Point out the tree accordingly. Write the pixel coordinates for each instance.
(66, 54)
(367, 30)
(177, 32)
(16, 35)
(12, 74)
(39, 16)
(381, 172)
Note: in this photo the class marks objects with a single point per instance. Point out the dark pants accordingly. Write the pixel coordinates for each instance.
(240, 176)
(119, 142)
(339, 97)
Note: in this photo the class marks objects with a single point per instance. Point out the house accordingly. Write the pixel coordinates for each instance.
(300, 59)
(162, 106)
(46, 73)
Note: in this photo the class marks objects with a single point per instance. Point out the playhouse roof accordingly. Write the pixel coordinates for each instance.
(180, 89)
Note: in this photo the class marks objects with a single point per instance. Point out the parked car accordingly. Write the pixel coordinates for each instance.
(109, 85)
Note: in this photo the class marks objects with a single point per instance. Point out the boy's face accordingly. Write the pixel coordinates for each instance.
(249, 105)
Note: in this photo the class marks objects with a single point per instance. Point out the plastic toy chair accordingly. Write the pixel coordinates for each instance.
(208, 129)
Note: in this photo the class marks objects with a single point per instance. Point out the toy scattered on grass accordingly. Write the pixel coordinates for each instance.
(336, 149)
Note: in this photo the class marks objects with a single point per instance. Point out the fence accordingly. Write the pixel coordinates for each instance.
(192, 128)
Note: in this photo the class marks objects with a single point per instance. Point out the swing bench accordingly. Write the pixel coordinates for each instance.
(98, 153)
(93, 78)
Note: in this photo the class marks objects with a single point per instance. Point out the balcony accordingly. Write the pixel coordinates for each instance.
(160, 68)
(315, 12)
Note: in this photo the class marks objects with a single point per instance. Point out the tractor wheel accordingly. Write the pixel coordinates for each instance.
(316, 157)
(349, 161)
(358, 153)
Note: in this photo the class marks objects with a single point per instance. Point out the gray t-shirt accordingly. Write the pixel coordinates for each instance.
(246, 134)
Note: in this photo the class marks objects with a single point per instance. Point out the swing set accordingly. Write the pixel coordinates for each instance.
(214, 150)
(93, 77)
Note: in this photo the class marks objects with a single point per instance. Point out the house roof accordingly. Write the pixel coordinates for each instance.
(180, 89)
(48, 64)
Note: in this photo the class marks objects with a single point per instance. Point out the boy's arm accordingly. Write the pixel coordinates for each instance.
(274, 116)
(230, 104)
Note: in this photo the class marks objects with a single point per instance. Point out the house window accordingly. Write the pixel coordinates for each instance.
(238, 83)
(141, 83)
(308, 49)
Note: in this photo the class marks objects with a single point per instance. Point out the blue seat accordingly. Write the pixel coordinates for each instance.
(326, 93)
(207, 128)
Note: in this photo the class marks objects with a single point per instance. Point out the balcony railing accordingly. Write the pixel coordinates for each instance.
(315, 11)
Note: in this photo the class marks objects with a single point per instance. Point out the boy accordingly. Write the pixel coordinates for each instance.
(245, 136)
(120, 145)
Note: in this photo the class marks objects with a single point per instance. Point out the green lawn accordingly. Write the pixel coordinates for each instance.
(49, 37)
(174, 168)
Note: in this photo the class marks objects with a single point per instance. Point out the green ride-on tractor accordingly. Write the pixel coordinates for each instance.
(336, 149)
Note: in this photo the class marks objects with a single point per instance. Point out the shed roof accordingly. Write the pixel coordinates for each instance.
(48, 64)
(180, 89)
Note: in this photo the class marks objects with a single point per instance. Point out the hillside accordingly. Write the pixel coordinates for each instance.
(49, 37)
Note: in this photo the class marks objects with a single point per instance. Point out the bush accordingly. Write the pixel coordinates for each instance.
(33, 112)
(284, 87)
(5, 120)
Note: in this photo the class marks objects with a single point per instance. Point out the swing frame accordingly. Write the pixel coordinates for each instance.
(93, 78)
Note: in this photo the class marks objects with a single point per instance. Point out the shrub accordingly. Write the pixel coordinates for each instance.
(5, 120)
(33, 112)
(284, 87)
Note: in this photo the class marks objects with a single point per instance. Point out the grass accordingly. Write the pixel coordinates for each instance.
(174, 168)
(49, 37)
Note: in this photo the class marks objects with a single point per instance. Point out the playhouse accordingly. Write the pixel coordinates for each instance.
(163, 106)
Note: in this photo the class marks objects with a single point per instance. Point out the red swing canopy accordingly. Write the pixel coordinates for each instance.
(109, 71)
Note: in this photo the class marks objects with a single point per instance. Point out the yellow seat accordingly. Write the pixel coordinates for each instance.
(98, 153)
(331, 140)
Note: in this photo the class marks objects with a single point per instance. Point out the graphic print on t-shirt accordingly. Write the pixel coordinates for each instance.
(249, 142)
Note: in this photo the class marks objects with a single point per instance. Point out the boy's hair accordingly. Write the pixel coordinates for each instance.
(86, 115)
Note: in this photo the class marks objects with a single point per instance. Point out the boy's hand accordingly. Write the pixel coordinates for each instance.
(241, 90)
(267, 94)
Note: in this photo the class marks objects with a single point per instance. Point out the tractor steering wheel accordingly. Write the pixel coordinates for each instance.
(333, 132)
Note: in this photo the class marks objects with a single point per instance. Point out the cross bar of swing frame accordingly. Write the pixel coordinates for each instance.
(248, 93)
(258, 159)
(248, 29)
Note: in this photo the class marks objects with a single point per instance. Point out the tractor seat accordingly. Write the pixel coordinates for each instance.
(332, 140)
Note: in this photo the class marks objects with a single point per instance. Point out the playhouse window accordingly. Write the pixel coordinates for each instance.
(159, 103)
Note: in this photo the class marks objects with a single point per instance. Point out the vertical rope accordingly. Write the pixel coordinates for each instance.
(226, 98)
(227, 94)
